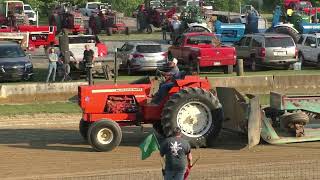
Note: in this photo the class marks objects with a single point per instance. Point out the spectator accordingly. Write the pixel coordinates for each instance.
(66, 65)
(88, 54)
(177, 152)
(52, 69)
(88, 58)
(175, 24)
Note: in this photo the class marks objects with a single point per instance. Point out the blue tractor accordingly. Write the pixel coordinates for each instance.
(230, 28)
(298, 22)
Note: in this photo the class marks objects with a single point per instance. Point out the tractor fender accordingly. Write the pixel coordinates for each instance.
(287, 25)
(203, 25)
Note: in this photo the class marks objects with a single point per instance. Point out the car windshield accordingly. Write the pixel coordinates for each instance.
(85, 39)
(279, 42)
(11, 52)
(93, 6)
(199, 40)
(305, 4)
(149, 48)
(27, 8)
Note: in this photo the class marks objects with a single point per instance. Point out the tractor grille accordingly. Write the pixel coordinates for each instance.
(19, 20)
(78, 21)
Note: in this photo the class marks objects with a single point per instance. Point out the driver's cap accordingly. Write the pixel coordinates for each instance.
(175, 61)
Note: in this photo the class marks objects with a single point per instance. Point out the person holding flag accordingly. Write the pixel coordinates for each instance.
(177, 153)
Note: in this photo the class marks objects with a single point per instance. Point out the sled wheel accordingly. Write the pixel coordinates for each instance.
(196, 112)
(104, 135)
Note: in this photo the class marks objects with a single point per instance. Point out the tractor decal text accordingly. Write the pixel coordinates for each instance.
(117, 90)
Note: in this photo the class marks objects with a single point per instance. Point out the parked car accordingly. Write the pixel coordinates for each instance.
(309, 49)
(14, 63)
(269, 49)
(142, 56)
(32, 15)
(197, 50)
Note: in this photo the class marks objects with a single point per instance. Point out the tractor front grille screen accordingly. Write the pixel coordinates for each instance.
(77, 21)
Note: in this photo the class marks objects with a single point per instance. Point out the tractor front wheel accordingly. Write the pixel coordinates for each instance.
(197, 112)
(104, 135)
(83, 128)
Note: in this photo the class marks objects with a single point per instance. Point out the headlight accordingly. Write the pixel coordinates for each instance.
(29, 64)
(17, 66)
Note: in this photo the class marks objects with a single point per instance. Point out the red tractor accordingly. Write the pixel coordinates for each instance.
(12, 14)
(109, 22)
(66, 17)
(14, 20)
(190, 105)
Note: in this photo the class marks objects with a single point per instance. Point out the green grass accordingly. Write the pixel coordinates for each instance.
(58, 107)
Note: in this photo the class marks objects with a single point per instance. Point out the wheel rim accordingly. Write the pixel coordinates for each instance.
(194, 119)
(105, 136)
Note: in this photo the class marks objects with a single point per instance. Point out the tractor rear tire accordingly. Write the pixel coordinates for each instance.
(104, 135)
(83, 128)
(197, 112)
(289, 31)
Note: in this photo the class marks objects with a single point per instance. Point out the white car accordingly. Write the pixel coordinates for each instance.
(309, 49)
(32, 15)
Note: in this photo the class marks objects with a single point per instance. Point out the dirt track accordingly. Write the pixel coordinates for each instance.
(49, 147)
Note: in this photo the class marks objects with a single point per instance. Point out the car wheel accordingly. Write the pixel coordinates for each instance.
(253, 65)
(228, 69)
(301, 59)
(129, 72)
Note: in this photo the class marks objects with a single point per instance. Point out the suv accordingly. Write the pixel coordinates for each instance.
(14, 63)
(269, 49)
(142, 56)
(32, 16)
(309, 49)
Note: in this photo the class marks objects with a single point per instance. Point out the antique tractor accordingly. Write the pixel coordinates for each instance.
(65, 17)
(295, 23)
(110, 22)
(190, 105)
(12, 14)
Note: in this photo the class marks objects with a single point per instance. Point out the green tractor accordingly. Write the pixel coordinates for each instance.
(298, 22)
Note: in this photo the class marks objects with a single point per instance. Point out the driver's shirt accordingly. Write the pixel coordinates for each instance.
(174, 72)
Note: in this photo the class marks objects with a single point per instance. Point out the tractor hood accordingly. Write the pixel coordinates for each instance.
(242, 113)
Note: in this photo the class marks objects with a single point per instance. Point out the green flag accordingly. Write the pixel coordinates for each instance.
(149, 145)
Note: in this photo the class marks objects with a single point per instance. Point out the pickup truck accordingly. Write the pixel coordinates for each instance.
(309, 49)
(197, 50)
(94, 7)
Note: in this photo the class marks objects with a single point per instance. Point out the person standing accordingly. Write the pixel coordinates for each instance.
(66, 65)
(88, 58)
(177, 154)
(52, 68)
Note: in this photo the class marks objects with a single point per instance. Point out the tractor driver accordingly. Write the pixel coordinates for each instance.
(173, 74)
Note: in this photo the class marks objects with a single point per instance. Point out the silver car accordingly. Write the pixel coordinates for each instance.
(269, 49)
(142, 56)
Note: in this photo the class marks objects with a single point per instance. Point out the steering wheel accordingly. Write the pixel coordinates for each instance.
(159, 76)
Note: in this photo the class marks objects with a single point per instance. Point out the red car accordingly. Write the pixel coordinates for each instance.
(197, 50)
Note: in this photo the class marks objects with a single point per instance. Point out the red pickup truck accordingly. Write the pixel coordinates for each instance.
(197, 50)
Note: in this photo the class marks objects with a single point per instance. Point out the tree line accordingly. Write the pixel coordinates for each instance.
(128, 6)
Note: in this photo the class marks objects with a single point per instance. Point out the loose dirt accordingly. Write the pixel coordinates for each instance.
(48, 146)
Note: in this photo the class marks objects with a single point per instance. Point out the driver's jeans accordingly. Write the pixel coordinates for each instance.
(163, 90)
